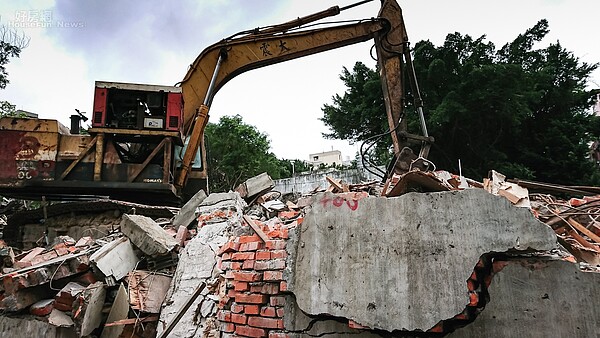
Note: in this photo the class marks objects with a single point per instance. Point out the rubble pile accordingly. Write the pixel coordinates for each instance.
(344, 261)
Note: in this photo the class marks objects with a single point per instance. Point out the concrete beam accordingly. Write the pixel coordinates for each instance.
(402, 263)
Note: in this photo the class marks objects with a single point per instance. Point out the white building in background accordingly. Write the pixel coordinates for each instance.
(327, 158)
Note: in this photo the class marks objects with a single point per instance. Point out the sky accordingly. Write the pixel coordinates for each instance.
(74, 43)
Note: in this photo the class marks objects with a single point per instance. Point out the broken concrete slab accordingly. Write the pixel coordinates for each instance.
(255, 186)
(118, 311)
(29, 327)
(116, 258)
(532, 298)
(90, 312)
(60, 319)
(402, 263)
(147, 235)
(187, 213)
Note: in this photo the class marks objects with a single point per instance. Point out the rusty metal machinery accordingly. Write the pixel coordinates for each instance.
(146, 142)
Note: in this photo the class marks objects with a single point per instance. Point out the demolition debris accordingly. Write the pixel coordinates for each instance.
(425, 254)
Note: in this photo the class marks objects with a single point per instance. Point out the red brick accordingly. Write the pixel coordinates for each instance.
(227, 327)
(278, 254)
(226, 256)
(277, 301)
(251, 309)
(229, 247)
(238, 318)
(273, 276)
(224, 316)
(235, 266)
(268, 323)
(270, 288)
(248, 264)
(240, 286)
(251, 246)
(237, 308)
(273, 334)
(280, 312)
(354, 325)
(248, 331)
(253, 298)
(282, 286)
(247, 276)
(273, 264)
(268, 311)
(275, 245)
(256, 287)
(248, 239)
(263, 255)
(242, 256)
(229, 274)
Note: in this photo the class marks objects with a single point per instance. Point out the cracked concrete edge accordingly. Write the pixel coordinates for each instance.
(201, 251)
(537, 243)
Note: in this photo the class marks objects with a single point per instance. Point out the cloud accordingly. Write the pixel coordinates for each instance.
(130, 40)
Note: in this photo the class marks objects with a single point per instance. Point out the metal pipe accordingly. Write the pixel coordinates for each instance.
(354, 5)
(211, 87)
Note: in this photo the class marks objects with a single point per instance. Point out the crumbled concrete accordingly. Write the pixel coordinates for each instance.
(31, 327)
(539, 298)
(147, 235)
(402, 263)
(298, 324)
(197, 264)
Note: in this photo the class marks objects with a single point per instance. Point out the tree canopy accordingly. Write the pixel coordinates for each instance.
(520, 110)
(237, 151)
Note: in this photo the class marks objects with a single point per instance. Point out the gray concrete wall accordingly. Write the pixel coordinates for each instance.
(533, 298)
(304, 183)
(402, 263)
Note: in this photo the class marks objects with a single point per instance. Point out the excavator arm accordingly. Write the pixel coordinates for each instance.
(219, 63)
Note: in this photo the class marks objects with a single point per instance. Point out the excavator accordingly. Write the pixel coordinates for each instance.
(146, 142)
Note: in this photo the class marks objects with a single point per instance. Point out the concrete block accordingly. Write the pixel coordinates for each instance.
(255, 186)
(402, 263)
(116, 258)
(147, 235)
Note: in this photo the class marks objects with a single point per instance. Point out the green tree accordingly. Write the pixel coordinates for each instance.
(11, 45)
(520, 110)
(357, 114)
(237, 151)
(7, 109)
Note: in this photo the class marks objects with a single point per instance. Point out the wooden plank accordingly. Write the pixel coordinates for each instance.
(584, 230)
(167, 160)
(256, 229)
(99, 157)
(576, 236)
(335, 183)
(130, 321)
